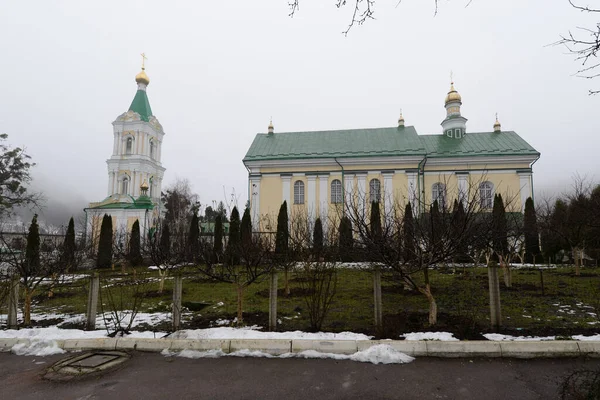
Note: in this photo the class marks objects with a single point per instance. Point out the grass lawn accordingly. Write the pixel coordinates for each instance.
(568, 306)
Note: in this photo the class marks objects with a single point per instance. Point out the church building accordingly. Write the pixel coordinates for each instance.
(135, 172)
(317, 172)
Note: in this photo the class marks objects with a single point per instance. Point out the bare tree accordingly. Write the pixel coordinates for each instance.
(256, 261)
(584, 46)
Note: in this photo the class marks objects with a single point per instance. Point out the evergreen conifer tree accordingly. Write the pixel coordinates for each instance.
(318, 239)
(375, 230)
(135, 254)
(233, 244)
(32, 252)
(69, 246)
(346, 241)
(282, 236)
(408, 234)
(458, 230)
(530, 227)
(165, 242)
(105, 242)
(193, 242)
(218, 238)
(246, 229)
(499, 229)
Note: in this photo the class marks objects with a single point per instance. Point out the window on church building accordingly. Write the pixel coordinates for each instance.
(125, 186)
(485, 195)
(128, 145)
(298, 192)
(336, 192)
(438, 192)
(151, 188)
(375, 190)
(152, 149)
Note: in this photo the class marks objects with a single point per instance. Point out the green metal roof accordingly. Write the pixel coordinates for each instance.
(142, 203)
(477, 144)
(342, 143)
(141, 105)
(383, 142)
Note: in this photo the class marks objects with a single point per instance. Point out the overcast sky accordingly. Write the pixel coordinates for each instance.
(219, 70)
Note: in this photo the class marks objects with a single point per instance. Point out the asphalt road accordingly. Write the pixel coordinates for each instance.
(153, 376)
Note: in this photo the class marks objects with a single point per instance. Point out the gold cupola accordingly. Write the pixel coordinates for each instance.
(497, 126)
(453, 95)
(270, 129)
(142, 77)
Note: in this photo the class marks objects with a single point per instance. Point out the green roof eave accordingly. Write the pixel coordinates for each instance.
(141, 105)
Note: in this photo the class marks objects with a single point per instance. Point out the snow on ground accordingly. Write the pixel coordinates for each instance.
(496, 337)
(442, 336)
(581, 337)
(253, 332)
(378, 354)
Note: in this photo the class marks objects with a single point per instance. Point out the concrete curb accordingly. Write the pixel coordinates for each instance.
(505, 349)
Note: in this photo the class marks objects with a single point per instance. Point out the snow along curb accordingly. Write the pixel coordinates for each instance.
(430, 348)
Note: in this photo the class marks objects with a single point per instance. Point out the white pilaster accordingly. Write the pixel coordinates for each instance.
(285, 190)
(349, 194)
(255, 201)
(388, 194)
(525, 187)
(361, 189)
(311, 197)
(323, 200)
(462, 186)
(412, 190)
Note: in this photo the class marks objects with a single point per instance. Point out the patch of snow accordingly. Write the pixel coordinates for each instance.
(442, 336)
(379, 354)
(40, 348)
(496, 337)
(252, 332)
(586, 338)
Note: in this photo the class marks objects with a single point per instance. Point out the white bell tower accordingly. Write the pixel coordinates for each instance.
(137, 148)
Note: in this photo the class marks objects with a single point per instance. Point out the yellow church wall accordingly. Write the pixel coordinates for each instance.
(270, 199)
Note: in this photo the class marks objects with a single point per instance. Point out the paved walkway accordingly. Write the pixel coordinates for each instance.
(152, 376)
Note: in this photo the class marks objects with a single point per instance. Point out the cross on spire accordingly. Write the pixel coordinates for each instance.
(144, 58)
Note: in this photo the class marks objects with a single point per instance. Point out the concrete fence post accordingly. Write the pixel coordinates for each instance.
(13, 302)
(377, 298)
(273, 302)
(494, 288)
(177, 291)
(92, 305)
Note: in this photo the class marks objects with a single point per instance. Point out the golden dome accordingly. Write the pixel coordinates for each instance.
(497, 126)
(144, 185)
(142, 77)
(453, 94)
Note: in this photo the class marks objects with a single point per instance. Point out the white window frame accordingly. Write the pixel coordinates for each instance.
(298, 192)
(438, 192)
(375, 190)
(125, 185)
(129, 145)
(486, 195)
(336, 192)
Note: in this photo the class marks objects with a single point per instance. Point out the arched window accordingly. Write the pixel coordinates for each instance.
(125, 185)
(298, 192)
(438, 192)
(375, 190)
(336, 192)
(128, 145)
(485, 195)
(152, 145)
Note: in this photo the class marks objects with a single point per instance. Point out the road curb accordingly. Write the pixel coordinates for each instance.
(422, 348)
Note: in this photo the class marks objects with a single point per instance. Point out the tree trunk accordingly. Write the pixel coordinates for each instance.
(577, 259)
(432, 304)
(494, 291)
(506, 272)
(273, 302)
(27, 308)
(287, 283)
(161, 284)
(240, 302)
(377, 299)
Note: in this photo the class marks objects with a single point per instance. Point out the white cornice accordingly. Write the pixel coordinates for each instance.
(484, 161)
(330, 162)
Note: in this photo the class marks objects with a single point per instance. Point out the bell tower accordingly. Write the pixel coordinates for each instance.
(137, 148)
